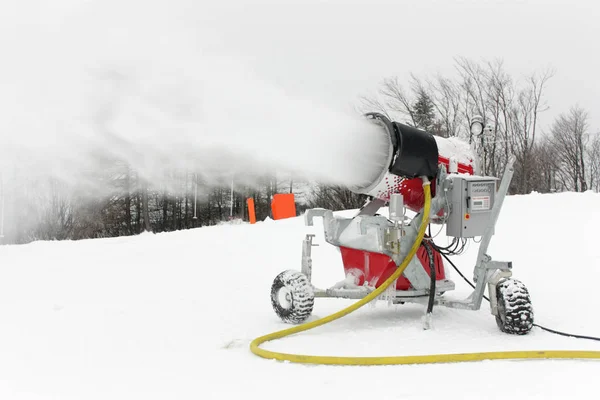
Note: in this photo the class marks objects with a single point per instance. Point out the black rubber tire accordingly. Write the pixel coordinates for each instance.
(515, 312)
(299, 294)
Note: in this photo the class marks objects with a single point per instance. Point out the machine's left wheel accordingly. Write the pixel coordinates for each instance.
(292, 297)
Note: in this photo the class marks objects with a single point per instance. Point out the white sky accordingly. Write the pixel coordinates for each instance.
(340, 49)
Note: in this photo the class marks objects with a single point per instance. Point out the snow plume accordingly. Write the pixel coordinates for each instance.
(142, 83)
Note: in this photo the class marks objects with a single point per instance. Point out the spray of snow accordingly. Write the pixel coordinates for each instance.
(140, 82)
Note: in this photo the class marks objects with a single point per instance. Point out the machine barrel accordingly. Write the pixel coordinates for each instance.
(413, 153)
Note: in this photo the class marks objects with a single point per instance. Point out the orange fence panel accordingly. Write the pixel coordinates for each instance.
(283, 206)
(251, 212)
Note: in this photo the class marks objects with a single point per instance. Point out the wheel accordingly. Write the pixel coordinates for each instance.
(515, 312)
(292, 297)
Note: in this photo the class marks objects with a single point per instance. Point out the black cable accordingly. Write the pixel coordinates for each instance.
(539, 326)
(567, 334)
(451, 249)
(432, 277)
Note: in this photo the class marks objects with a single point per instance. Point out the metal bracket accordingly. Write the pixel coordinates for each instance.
(307, 245)
(312, 213)
(495, 277)
(371, 207)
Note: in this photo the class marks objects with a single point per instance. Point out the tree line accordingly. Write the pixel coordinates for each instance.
(51, 209)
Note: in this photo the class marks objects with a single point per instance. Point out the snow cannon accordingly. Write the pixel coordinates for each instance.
(374, 247)
(412, 153)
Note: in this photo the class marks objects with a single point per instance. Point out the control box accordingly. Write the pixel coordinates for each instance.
(471, 199)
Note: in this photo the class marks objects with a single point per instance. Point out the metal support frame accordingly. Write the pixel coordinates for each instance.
(487, 272)
(399, 296)
(307, 245)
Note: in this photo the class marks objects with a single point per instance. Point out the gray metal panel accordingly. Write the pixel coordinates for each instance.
(472, 199)
(416, 275)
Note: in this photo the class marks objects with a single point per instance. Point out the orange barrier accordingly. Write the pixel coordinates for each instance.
(251, 212)
(283, 206)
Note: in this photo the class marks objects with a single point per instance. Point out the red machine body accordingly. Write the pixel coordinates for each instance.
(375, 268)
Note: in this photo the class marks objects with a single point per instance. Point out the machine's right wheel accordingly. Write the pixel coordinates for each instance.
(292, 297)
(515, 312)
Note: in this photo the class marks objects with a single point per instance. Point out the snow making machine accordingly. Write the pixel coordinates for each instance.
(372, 246)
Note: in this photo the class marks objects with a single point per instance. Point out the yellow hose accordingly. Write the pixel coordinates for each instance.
(395, 360)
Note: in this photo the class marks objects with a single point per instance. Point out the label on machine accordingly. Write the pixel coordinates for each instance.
(480, 203)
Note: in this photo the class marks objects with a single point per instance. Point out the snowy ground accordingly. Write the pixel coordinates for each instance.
(170, 316)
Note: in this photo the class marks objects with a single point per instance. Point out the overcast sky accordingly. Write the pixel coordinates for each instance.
(341, 49)
(129, 77)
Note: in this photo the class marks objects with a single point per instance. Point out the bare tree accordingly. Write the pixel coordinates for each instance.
(526, 110)
(500, 96)
(569, 137)
(56, 222)
(544, 166)
(145, 206)
(593, 162)
(474, 82)
(447, 99)
(397, 100)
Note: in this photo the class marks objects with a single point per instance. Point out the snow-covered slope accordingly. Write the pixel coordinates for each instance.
(170, 316)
